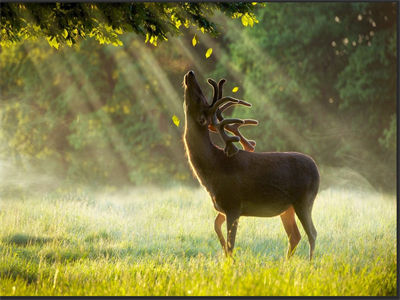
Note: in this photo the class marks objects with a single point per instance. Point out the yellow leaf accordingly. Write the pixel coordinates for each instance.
(186, 24)
(178, 23)
(65, 33)
(202, 29)
(254, 3)
(208, 53)
(251, 22)
(245, 21)
(117, 43)
(176, 120)
(194, 40)
(235, 89)
(53, 42)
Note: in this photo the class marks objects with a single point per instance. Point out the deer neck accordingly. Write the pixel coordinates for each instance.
(200, 150)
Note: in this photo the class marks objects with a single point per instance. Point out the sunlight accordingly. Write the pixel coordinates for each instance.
(321, 115)
(150, 68)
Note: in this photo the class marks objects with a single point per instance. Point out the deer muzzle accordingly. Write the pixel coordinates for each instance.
(189, 77)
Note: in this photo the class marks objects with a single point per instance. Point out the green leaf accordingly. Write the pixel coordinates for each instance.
(208, 53)
(176, 120)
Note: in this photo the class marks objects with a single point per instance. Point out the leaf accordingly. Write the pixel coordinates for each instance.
(187, 23)
(235, 89)
(194, 41)
(53, 42)
(178, 24)
(117, 43)
(245, 21)
(176, 120)
(208, 53)
(251, 22)
(65, 33)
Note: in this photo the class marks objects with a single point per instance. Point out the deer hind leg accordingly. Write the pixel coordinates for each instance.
(303, 212)
(289, 223)
(232, 222)
(219, 220)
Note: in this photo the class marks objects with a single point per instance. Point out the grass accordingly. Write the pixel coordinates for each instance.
(152, 241)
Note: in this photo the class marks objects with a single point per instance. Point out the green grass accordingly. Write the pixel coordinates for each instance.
(162, 242)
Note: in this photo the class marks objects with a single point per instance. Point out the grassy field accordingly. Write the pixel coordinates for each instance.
(152, 241)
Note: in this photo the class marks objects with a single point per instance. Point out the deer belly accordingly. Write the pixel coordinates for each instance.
(257, 209)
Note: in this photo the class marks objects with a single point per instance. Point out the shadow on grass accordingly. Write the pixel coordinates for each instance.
(180, 246)
(21, 239)
(19, 269)
(97, 236)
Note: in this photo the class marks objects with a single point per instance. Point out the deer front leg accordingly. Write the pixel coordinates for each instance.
(219, 220)
(232, 222)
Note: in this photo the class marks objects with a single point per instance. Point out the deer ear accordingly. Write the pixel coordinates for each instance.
(202, 120)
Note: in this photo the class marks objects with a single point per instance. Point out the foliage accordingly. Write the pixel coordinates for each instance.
(82, 111)
(322, 78)
(76, 243)
(67, 23)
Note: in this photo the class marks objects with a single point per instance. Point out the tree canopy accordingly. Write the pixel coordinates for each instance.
(67, 23)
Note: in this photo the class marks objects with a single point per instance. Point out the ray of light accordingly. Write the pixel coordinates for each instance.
(322, 116)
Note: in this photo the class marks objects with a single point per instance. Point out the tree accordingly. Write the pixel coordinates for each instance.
(323, 79)
(74, 109)
(80, 115)
(67, 23)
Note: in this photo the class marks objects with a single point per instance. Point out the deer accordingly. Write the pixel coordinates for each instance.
(245, 182)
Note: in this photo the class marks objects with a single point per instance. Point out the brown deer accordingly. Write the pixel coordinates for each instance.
(246, 183)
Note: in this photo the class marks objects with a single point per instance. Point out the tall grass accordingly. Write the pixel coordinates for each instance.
(151, 241)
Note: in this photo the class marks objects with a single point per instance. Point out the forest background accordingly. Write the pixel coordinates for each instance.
(321, 78)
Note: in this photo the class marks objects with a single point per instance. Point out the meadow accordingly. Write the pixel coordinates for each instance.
(152, 241)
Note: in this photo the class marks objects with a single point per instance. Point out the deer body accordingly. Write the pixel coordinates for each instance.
(263, 184)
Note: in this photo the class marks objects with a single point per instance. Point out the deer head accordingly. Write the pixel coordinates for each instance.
(197, 108)
(195, 104)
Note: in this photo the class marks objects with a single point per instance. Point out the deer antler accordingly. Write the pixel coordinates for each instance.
(218, 123)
